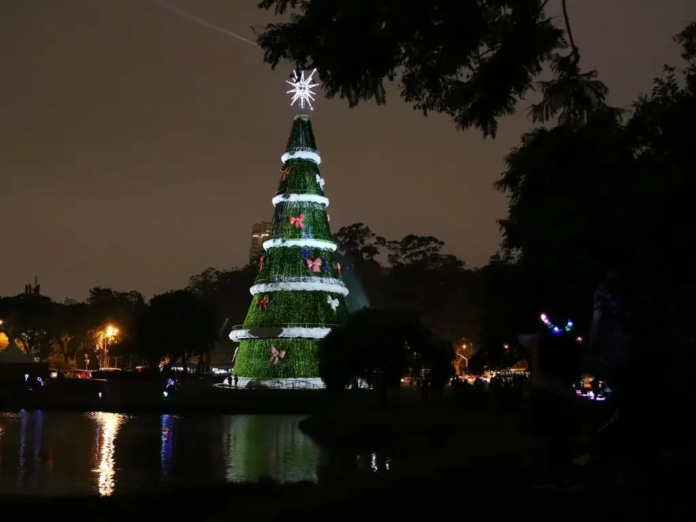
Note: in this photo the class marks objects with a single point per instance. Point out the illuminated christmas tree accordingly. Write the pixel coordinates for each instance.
(298, 293)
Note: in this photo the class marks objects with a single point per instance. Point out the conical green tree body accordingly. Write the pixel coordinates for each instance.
(299, 294)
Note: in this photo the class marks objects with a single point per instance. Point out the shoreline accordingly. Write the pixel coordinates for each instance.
(151, 410)
(210, 400)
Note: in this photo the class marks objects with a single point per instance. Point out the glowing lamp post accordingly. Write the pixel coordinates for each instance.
(109, 334)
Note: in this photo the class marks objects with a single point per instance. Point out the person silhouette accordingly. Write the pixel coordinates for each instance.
(555, 366)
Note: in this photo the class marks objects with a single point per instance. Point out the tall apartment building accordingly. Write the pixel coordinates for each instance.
(259, 234)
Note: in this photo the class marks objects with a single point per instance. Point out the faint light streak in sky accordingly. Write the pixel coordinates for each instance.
(205, 23)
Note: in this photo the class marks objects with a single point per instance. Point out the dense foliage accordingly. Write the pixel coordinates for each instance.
(604, 194)
(472, 60)
(380, 347)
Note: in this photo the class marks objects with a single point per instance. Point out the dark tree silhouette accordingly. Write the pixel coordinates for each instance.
(378, 347)
(67, 328)
(470, 60)
(585, 197)
(225, 291)
(358, 252)
(473, 61)
(26, 317)
(175, 324)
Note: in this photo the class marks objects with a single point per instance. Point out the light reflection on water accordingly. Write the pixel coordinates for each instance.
(274, 447)
(107, 426)
(167, 443)
(57, 453)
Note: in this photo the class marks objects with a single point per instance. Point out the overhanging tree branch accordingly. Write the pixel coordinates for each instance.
(574, 51)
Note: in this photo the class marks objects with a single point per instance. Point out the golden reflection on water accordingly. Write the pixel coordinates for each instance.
(56, 453)
(107, 426)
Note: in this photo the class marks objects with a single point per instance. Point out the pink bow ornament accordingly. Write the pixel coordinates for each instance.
(315, 265)
(275, 356)
(262, 304)
(284, 173)
(297, 222)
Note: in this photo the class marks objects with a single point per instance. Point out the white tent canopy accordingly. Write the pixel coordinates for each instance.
(12, 354)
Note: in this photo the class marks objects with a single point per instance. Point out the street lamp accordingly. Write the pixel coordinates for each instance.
(109, 335)
(466, 361)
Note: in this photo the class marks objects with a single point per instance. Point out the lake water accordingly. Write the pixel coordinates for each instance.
(62, 453)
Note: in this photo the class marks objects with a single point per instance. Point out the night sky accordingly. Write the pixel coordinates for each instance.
(137, 147)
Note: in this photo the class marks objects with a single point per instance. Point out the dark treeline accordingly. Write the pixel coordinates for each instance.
(109, 324)
(410, 274)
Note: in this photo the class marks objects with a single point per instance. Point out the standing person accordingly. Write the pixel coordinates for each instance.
(609, 345)
(613, 359)
(556, 364)
(609, 337)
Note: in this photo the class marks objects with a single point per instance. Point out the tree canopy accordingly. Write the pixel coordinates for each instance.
(473, 60)
(603, 193)
(380, 347)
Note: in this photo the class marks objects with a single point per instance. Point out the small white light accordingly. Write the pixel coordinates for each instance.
(166, 394)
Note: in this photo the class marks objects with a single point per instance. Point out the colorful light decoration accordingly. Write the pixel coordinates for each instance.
(555, 329)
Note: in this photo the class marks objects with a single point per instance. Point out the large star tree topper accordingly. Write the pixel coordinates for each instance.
(302, 89)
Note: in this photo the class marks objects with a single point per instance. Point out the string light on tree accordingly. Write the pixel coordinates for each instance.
(555, 329)
(302, 89)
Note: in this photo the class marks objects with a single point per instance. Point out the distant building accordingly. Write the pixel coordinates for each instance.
(259, 234)
(70, 301)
